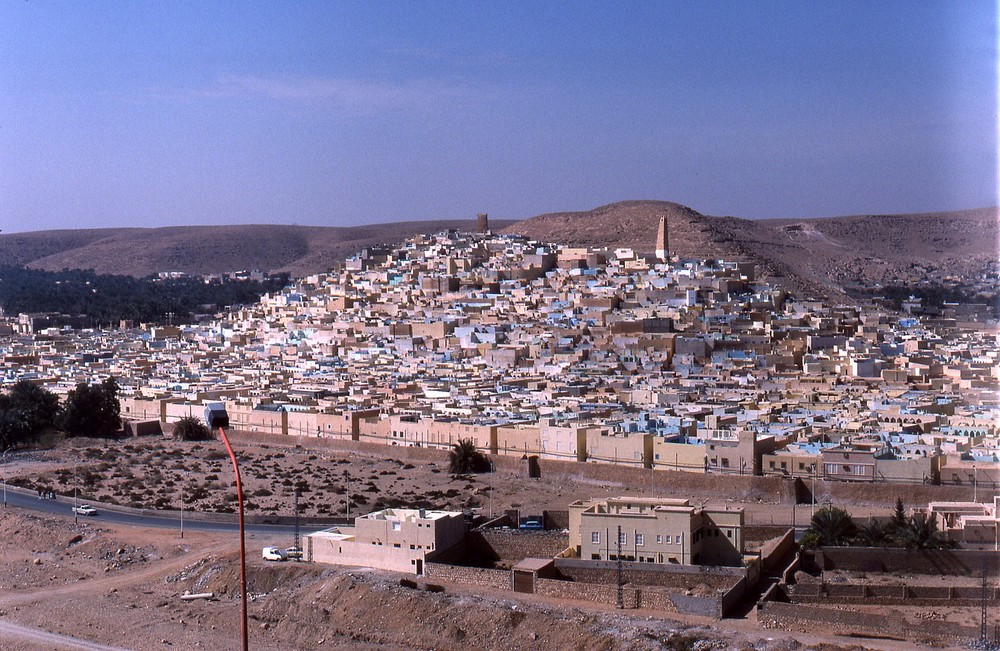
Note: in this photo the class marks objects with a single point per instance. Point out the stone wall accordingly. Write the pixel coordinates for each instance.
(774, 614)
(961, 562)
(678, 577)
(498, 579)
(514, 545)
(605, 594)
(892, 594)
(556, 519)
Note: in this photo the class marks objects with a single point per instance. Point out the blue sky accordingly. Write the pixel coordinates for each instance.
(330, 113)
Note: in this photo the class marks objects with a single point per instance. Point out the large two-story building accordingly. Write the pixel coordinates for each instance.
(400, 540)
(655, 530)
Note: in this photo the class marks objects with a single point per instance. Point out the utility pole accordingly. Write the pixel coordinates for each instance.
(983, 641)
(621, 582)
(347, 481)
(295, 544)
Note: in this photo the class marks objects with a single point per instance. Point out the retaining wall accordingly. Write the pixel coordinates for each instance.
(775, 614)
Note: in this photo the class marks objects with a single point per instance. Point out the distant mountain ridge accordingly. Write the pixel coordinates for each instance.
(814, 256)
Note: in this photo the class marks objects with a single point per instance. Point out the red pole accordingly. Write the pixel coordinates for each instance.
(243, 547)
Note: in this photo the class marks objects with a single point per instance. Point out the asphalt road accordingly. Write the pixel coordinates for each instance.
(17, 498)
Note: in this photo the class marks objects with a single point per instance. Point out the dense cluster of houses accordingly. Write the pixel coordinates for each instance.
(589, 355)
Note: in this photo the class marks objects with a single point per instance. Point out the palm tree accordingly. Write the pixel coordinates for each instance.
(832, 526)
(464, 458)
(875, 534)
(921, 532)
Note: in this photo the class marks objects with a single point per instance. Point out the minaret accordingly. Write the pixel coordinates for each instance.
(482, 223)
(662, 246)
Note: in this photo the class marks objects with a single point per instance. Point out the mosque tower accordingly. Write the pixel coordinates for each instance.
(662, 245)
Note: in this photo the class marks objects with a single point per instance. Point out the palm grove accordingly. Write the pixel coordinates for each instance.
(29, 412)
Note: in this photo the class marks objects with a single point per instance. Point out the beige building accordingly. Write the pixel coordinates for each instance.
(969, 523)
(399, 540)
(655, 530)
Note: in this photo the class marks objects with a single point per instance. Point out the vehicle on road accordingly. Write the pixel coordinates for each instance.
(532, 524)
(273, 554)
(84, 509)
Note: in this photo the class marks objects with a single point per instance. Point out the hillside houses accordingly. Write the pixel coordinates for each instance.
(592, 356)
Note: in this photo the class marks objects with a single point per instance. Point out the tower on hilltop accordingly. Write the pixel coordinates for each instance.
(662, 245)
(482, 223)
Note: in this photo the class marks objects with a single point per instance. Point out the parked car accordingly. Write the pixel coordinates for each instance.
(532, 524)
(294, 552)
(273, 554)
(84, 509)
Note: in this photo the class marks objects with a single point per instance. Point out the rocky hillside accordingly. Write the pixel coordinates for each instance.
(821, 257)
(300, 250)
(812, 257)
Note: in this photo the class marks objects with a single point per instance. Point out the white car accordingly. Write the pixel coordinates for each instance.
(273, 554)
(84, 509)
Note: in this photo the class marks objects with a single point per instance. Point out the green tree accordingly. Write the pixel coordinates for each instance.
(15, 428)
(40, 406)
(464, 458)
(897, 521)
(921, 532)
(875, 534)
(190, 428)
(832, 526)
(91, 410)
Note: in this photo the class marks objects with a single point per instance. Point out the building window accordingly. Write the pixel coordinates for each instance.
(595, 537)
(659, 539)
(623, 538)
(639, 539)
(395, 526)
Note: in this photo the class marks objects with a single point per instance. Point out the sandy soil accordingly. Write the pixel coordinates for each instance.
(91, 585)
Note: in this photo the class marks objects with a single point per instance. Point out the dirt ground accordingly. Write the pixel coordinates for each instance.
(90, 585)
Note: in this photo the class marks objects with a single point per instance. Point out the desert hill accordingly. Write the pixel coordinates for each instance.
(300, 250)
(818, 256)
(811, 256)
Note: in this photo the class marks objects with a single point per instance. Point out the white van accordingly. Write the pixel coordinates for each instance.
(273, 554)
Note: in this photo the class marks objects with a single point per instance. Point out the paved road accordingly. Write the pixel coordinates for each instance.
(17, 498)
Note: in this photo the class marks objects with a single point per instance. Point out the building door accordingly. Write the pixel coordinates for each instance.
(420, 567)
(524, 581)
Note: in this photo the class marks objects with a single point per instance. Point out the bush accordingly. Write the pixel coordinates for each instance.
(191, 428)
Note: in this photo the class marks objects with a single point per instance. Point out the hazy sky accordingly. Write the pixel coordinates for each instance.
(338, 113)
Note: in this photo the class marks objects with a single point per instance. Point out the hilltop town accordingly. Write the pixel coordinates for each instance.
(582, 354)
(665, 380)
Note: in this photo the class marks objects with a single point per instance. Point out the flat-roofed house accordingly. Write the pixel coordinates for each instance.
(399, 540)
(656, 530)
